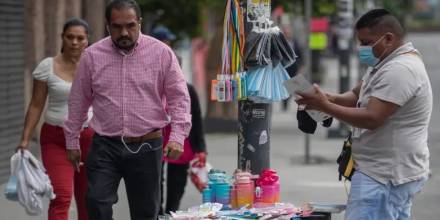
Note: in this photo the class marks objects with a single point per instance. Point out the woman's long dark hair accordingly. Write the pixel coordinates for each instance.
(74, 21)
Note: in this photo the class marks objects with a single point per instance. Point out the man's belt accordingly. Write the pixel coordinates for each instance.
(157, 133)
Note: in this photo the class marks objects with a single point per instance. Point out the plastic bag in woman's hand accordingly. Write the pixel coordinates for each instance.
(11, 189)
(199, 175)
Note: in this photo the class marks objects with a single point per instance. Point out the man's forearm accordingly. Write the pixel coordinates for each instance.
(347, 99)
(357, 117)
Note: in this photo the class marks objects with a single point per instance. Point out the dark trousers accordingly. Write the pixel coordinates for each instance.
(109, 161)
(176, 181)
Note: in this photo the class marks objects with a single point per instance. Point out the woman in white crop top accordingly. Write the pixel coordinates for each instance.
(52, 79)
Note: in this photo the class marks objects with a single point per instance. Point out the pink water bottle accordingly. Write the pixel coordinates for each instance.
(244, 189)
(268, 187)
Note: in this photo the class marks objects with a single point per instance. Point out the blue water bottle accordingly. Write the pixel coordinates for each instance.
(207, 195)
(222, 194)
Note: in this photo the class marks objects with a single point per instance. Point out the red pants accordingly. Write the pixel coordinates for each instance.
(61, 173)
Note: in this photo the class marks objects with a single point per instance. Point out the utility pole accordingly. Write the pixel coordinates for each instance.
(254, 136)
(345, 35)
(254, 120)
(308, 65)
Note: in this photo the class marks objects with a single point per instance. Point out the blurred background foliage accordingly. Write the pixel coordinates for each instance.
(189, 17)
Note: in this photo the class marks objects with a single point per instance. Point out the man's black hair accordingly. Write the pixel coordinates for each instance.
(380, 20)
(121, 4)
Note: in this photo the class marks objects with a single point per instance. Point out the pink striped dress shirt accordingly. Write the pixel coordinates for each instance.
(128, 92)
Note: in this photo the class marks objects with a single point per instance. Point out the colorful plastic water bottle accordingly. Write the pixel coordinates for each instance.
(244, 188)
(207, 195)
(233, 201)
(268, 187)
(219, 183)
(245, 194)
(214, 177)
(222, 193)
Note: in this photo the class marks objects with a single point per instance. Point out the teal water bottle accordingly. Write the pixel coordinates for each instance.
(207, 195)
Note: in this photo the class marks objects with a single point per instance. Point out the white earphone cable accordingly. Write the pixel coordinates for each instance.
(139, 147)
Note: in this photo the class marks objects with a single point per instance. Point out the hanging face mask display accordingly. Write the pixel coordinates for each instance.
(366, 55)
(253, 66)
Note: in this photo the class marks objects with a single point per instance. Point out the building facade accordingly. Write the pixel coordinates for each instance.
(30, 30)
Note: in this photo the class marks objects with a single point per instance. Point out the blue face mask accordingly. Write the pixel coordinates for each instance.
(366, 55)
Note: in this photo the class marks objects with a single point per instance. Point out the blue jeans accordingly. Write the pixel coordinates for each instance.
(371, 200)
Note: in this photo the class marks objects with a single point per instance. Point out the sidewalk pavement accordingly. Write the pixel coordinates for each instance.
(315, 182)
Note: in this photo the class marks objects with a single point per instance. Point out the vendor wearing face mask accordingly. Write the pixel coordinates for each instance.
(389, 111)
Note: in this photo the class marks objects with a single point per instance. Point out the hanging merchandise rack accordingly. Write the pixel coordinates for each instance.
(264, 55)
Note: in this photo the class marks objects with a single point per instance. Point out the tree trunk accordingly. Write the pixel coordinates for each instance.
(94, 14)
(54, 19)
(73, 8)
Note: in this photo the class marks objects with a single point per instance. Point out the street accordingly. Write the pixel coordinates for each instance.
(315, 182)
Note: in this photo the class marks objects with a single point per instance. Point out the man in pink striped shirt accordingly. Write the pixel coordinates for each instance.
(127, 78)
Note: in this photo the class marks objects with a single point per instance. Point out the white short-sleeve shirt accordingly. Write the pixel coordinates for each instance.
(58, 92)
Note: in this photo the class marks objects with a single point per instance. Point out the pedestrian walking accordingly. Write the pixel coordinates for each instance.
(390, 111)
(53, 79)
(194, 146)
(128, 78)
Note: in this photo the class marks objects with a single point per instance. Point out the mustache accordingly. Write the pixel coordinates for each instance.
(123, 38)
